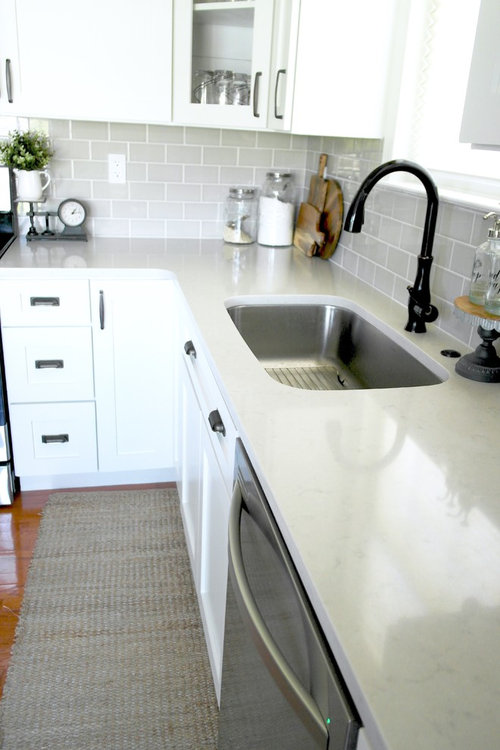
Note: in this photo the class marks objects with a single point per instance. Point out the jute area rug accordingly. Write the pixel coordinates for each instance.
(109, 651)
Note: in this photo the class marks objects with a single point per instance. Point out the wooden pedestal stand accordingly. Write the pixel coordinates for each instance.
(483, 364)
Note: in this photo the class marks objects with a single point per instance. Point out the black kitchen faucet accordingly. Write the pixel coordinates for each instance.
(420, 309)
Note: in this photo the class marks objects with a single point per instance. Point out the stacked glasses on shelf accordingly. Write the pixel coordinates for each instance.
(221, 87)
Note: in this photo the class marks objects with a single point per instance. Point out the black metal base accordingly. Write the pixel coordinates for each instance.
(483, 364)
(32, 237)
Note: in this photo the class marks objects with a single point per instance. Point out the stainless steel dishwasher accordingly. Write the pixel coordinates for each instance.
(280, 687)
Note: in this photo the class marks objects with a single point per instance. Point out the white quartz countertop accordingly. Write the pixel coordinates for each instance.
(388, 499)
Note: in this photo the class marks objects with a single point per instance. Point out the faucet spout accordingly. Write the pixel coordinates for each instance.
(420, 309)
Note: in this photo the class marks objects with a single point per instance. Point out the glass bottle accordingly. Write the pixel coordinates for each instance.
(240, 215)
(492, 301)
(277, 210)
(481, 268)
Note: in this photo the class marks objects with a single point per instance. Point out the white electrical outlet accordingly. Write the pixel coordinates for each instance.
(117, 169)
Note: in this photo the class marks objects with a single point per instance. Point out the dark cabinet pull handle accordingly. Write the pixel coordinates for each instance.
(216, 423)
(45, 364)
(189, 349)
(101, 309)
(62, 438)
(45, 301)
(8, 80)
(256, 88)
(280, 72)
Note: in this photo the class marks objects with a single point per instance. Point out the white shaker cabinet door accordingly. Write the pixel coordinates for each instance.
(189, 479)
(222, 63)
(132, 325)
(284, 50)
(108, 61)
(216, 502)
(10, 80)
(347, 66)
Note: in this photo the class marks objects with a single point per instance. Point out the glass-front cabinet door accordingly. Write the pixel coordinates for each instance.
(222, 62)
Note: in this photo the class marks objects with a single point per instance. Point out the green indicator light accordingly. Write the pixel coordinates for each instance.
(328, 721)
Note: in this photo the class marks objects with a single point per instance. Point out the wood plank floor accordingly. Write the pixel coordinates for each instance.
(19, 524)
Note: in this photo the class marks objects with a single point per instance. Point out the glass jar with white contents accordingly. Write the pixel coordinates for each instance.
(240, 216)
(277, 210)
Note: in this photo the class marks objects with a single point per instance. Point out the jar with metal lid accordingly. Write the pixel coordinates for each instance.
(277, 209)
(240, 216)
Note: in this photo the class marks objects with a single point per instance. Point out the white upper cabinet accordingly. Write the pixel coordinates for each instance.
(223, 58)
(10, 91)
(482, 102)
(95, 60)
(284, 47)
(348, 58)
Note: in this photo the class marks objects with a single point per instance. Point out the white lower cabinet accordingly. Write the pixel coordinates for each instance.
(54, 438)
(89, 374)
(47, 364)
(215, 505)
(206, 442)
(190, 478)
(133, 371)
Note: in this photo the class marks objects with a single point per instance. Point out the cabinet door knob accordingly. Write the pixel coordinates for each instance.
(189, 349)
(280, 72)
(256, 88)
(216, 423)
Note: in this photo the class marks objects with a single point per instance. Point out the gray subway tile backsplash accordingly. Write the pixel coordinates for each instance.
(177, 179)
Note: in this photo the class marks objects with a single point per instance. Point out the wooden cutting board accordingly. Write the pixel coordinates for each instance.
(308, 235)
(318, 185)
(331, 219)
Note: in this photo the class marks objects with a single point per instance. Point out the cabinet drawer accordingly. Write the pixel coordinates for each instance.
(48, 364)
(44, 303)
(53, 438)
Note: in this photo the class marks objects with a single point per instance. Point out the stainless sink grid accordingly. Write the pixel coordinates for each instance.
(312, 377)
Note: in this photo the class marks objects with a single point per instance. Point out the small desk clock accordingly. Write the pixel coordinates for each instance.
(71, 213)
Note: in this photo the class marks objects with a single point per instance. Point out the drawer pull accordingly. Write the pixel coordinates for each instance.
(8, 80)
(101, 309)
(280, 72)
(189, 349)
(46, 301)
(62, 438)
(256, 89)
(216, 423)
(45, 364)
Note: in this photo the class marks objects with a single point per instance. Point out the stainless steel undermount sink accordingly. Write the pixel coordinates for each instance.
(323, 346)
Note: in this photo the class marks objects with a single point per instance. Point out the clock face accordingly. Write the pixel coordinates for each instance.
(71, 212)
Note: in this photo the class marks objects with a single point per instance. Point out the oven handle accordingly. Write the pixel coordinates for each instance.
(286, 679)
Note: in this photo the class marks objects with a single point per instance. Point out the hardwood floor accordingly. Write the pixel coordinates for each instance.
(19, 524)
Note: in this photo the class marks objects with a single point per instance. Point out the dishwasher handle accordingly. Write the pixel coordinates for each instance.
(290, 686)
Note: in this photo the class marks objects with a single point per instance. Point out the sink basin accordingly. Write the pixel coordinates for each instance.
(330, 347)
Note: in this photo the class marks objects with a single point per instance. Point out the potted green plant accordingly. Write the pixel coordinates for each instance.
(28, 154)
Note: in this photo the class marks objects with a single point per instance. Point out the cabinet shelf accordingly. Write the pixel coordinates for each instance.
(239, 13)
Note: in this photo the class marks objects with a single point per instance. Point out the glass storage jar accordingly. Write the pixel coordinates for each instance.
(277, 209)
(240, 216)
